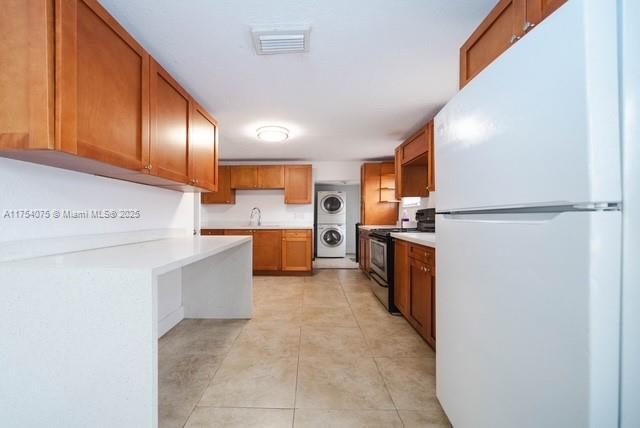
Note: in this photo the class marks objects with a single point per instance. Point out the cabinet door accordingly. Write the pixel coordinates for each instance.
(401, 277)
(420, 297)
(203, 149)
(26, 75)
(297, 184)
(224, 195)
(270, 177)
(296, 250)
(267, 250)
(499, 30)
(244, 177)
(102, 87)
(169, 132)
(538, 10)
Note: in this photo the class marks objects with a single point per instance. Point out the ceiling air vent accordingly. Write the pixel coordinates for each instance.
(280, 40)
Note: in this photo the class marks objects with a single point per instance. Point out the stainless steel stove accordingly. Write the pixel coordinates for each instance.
(382, 259)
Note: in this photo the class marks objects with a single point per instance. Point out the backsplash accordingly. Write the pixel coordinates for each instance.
(429, 202)
(271, 204)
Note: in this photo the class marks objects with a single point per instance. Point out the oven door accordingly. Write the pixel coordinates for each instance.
(378, 258)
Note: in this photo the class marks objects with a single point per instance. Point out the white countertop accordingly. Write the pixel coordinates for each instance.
(421, 238)
(262, 226)
(157, 256)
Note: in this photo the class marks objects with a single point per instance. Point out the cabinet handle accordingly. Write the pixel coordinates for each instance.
(514, 39)
(528, 26)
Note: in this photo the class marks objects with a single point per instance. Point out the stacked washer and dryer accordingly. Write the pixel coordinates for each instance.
(331, 224)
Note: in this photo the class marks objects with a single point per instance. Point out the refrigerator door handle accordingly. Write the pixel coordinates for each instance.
(482, 217)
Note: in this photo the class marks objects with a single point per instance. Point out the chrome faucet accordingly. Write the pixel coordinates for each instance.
(253, 211)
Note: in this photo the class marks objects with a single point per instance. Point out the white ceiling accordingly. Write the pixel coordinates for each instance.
(375, 72)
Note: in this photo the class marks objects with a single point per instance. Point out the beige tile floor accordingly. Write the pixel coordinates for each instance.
(320, 351)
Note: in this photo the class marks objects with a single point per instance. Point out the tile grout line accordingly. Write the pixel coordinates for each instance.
(295, 391)
(384, 382)
(226, 355)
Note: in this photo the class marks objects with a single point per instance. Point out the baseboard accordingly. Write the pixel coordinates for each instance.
(170, 321)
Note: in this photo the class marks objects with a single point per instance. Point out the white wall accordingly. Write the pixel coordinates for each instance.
(347, 172)
(29, 186)
(270, 202)
(25, 185)
(429, 202)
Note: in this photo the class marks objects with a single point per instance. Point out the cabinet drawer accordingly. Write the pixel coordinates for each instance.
(301, 233)
(424, 254)
(414, 148)
(206, 232)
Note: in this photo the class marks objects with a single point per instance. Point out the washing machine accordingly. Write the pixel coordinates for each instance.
(331, 240)
(331, 207)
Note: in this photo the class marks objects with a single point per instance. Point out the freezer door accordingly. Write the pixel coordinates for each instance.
(528, 319)
(539, 126)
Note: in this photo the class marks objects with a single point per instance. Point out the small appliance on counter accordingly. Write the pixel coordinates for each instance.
(382, 256)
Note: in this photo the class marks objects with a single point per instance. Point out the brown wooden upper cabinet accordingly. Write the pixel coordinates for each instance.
(170, 107)
(257, 177)
(271, 177)
(507, 23)
(398, 168)
(415, 164)
(225, 194)
(68, 66)
(373, 208)
(102, 87)
(297, 184)
(294, 179)
(26, 76)
(203, 149)
(244, 177)
(388, 182)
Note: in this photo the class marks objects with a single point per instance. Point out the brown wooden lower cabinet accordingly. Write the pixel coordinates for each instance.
(401, 276)
(415, 287)
(276, 251)
(364, 251)
(297, 250)
(267, 250)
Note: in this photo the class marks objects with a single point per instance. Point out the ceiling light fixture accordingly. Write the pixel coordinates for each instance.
(272, 134)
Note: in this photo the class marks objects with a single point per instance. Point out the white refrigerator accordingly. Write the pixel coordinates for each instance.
(529, 224)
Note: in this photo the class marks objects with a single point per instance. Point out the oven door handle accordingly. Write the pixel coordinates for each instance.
(378, 280)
